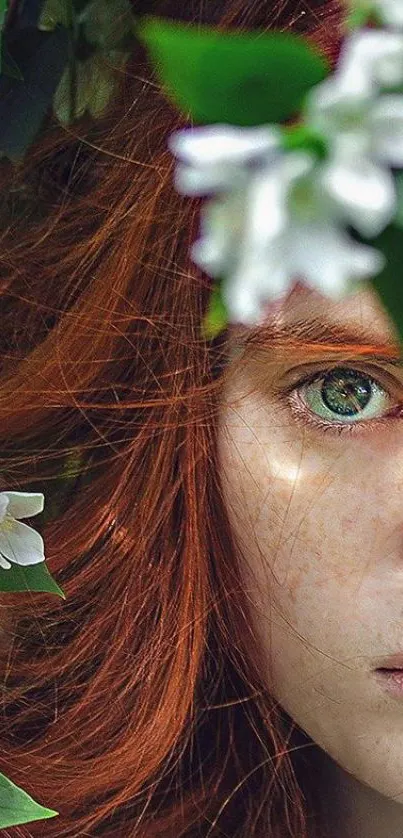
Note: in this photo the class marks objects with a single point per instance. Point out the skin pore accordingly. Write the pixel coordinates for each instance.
(312, 475)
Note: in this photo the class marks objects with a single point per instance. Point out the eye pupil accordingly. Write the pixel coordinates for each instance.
(345, 391)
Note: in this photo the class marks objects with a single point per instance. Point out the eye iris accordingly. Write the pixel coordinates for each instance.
(346, 392)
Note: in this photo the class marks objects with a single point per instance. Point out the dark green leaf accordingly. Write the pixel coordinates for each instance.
(16, 806)
(239, 78)
(11, 68)
(398, 219)
(102, 86)
(35, 577)
(63, 103)
(54, 12)
(216, 317)
(41, 58)
(95, 84)
(59, 494)
(26, 13)
(389, 283)
(3, 12)
(107, 23)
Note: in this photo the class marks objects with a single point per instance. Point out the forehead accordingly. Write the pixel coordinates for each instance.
(361, 312)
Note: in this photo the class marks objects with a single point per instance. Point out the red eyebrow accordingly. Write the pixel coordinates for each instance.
(320, 336)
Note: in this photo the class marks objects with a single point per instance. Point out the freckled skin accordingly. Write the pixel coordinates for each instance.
(319, 523)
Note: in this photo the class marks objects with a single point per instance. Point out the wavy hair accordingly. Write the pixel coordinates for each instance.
(136, 707)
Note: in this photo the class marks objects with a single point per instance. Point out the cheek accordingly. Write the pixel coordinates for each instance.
(306, 517)
(305, 509)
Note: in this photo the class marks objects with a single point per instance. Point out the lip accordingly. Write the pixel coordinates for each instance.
(389, 675)
(391, 680)
(391, 662)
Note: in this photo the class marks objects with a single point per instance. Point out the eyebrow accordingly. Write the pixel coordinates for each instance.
(321, 336)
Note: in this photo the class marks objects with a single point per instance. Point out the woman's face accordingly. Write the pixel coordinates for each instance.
(313, 482)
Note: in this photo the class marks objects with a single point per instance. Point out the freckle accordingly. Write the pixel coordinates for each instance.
(293, 593)
(347, 523)
(293, 582)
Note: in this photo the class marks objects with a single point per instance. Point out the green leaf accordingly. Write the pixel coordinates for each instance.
(11, 68)
(95, 84)
(302, 137)
(388, 283)
(398, 219)
(73, 466)
(35, 577)
(58, 495)
(54, 12)
(62, 104)
(107, 23)
(16, 806)
(239, 78)
(216, 317)
(102, 86)
(3, 12)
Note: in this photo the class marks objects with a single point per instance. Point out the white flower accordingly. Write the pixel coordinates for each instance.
(19, 543)
(279, 216)
(365, 136)
(218, 157)
(282, 228)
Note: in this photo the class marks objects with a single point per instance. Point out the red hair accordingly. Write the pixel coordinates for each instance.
(136, 707)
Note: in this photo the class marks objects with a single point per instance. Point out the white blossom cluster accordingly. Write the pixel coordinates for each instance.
(275, 214)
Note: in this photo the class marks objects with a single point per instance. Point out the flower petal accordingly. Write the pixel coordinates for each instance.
(255, 284)
(4, 501)
(371, 57)
(391, 13)
(189, 180)
(211, 255)
(330, 261)
(222, 221)
(242, 303)
(363, 192)
(266, 212)
(387, 129)
(239, 226)
(261, 271)
(215, 145)
(332, 106)
(22, 545)
(24, 504)
(217, 157)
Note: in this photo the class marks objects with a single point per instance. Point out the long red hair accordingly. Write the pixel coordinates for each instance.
(136, 707)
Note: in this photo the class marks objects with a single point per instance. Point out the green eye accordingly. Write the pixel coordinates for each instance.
(345, 395)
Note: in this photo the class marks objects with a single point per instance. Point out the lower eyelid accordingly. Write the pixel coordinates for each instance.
(305, 418)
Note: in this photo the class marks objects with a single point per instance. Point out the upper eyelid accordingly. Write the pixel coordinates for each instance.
(386, 379)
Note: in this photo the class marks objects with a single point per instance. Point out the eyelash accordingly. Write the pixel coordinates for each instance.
(304, 417)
